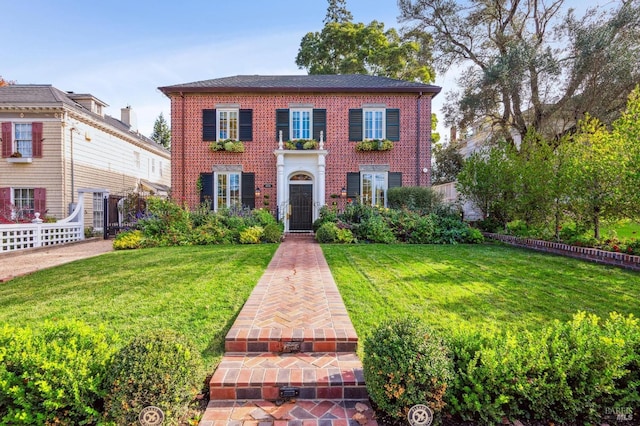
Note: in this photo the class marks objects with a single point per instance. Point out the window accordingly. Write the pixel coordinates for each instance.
(371, 183)
(23, 200)
(153, 165)
(301, 123)
(98, 211)
(160, 168)
(374, 124)
(227, 124)
(301, 120)
(374, 187)
(227, 190)
(23, 139)
(136, 158)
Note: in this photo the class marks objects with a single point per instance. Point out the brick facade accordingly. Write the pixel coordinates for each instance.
(411, 155)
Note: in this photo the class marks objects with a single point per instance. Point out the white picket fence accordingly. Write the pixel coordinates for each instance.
(22, 236)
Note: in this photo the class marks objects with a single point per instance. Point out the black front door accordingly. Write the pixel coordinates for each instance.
(301, 200)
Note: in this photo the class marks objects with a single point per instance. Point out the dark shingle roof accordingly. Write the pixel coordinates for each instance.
(302, 83)
(33, 95)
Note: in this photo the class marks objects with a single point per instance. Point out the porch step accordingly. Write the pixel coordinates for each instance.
(288, 340)
(312, 376)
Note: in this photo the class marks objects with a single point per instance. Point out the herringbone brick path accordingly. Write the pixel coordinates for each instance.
(292, 334)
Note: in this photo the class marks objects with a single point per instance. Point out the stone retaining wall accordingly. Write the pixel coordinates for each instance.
(622, 260)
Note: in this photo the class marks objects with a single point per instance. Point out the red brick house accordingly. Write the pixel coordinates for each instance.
(338, 112)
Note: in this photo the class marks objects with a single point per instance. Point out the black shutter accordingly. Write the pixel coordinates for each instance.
(319, 124)
(394, 180)
(282, 123)
(393, 124)
(246, 125)
(248, 190)
(353, 184)
(206, 193)
(355, 125)
(209, 125)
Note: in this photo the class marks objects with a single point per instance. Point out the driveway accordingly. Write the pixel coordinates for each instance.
(23, 262)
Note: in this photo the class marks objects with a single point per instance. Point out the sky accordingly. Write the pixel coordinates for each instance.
(121, 51)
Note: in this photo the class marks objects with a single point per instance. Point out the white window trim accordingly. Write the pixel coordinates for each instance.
(301, 110)
(364, 121)
(16, 209)
(386, 186)
(14, 139)
(228, 196)
(218, 127)
(98, 201)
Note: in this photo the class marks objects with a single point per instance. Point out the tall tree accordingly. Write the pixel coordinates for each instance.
(338, 12)
(345, 47)
(530, 64)
(162, 132)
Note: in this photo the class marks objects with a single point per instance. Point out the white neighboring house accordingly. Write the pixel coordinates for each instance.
(55, 142)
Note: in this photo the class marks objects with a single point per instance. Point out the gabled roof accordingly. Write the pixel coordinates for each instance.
(342, 83)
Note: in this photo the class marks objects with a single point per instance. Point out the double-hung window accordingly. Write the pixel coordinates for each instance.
(227, 190)
(24, 139)
(98, 211)
(227, 124)
(301, 120)
(23, 200)
(374, 123)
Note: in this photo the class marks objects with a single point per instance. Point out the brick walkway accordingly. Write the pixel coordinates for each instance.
(290, 355)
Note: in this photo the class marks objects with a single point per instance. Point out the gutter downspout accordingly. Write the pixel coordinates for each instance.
(418, 175)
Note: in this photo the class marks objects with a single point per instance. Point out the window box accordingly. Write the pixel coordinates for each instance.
(228, 145)
(19, 159)
(299, 144)
(374, 145)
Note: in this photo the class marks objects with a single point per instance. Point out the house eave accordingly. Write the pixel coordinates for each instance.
(170, 91)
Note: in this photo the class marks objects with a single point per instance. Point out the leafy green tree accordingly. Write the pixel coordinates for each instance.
(345, 47)
(337, 12)
(487, 180)
(162, 132)
(597, 174)
(532, 64)
(626, 130)
(447, 162)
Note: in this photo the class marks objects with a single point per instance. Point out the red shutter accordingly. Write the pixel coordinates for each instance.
(5, 202)
(7, 143)
(36, 139)
(40, 201)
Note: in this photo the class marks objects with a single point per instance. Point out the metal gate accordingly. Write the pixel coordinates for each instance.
(301, 199)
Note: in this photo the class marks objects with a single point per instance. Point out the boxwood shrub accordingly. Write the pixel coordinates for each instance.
(53, 374)
(405, 363)
(160, 369)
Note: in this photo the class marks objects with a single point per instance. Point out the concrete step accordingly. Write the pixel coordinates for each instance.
(300, 376)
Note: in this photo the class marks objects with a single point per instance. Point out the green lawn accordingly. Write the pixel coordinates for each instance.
(474, 286)
(197, 291)
(623, 229)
